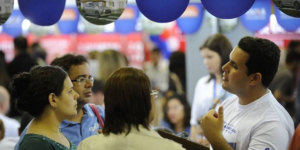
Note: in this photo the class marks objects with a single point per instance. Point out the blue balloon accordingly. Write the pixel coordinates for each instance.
(162, 11)
(191, 19)
(126, 24)
(13, 26)
(258, 16)
(42, 12)
(287, 22)
(227, 9)
(69, 21)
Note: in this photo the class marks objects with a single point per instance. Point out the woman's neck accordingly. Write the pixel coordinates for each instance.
(48, 122)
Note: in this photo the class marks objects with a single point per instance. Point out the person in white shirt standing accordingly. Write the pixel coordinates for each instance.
(253, 119)
(209, 92)
(11, 125)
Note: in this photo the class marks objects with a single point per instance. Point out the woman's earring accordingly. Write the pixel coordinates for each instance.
(54, 105)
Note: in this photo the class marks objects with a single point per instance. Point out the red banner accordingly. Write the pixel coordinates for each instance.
(57, 45)
(98, 42)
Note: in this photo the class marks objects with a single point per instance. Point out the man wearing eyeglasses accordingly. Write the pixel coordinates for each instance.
(85, 123)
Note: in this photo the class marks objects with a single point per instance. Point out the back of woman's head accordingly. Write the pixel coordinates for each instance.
(127, 101)
(220, 44)
(33, 88)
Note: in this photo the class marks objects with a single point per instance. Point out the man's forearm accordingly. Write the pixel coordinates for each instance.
(219, 143)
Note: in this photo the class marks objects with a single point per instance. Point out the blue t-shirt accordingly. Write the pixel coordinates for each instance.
(75, 131)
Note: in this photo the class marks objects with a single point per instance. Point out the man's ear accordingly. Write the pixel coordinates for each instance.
(255, 79)
(52, 100)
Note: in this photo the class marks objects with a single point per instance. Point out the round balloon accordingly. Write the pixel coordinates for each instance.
(128, 20)
(69, 21)
(5, 13)
(42, 12)
(162, 11)
(13, 26)
(257, 16)
(287, 22)
(101, 12)
(227, 9)
(191, 20)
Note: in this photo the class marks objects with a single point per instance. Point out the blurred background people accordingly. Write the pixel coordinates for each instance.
(129, 109)
(21, 62)
(157, 70)
(4, 77)
(109, 61)
(94, 63)
(8, 143)
(294, 45)
(177, 76)
(97, 96)
(177, 114)
(282, 85)
(2, 130)
(38, 53)
(209, 92)
(11, 125)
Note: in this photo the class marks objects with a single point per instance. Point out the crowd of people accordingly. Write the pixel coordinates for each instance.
(249, 99)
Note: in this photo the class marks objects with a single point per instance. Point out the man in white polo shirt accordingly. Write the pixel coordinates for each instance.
(253, 119)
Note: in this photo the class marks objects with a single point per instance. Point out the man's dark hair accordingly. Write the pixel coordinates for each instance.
(292, 56)
(127, 101)
(21, 44)
(69, 60)
(263, 58)
(33, 88)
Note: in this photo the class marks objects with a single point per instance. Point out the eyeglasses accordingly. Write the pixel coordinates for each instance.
(154, 93)
(82, 80)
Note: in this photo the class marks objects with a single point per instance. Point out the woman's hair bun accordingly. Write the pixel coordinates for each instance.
(20, 83)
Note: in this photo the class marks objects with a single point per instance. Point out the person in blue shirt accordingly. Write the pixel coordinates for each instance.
(177, 114)
(85, 123)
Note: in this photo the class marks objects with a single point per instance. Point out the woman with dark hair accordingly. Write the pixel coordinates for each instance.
(209, 92)
(46, 93)
(177, 114)
(129, 110)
